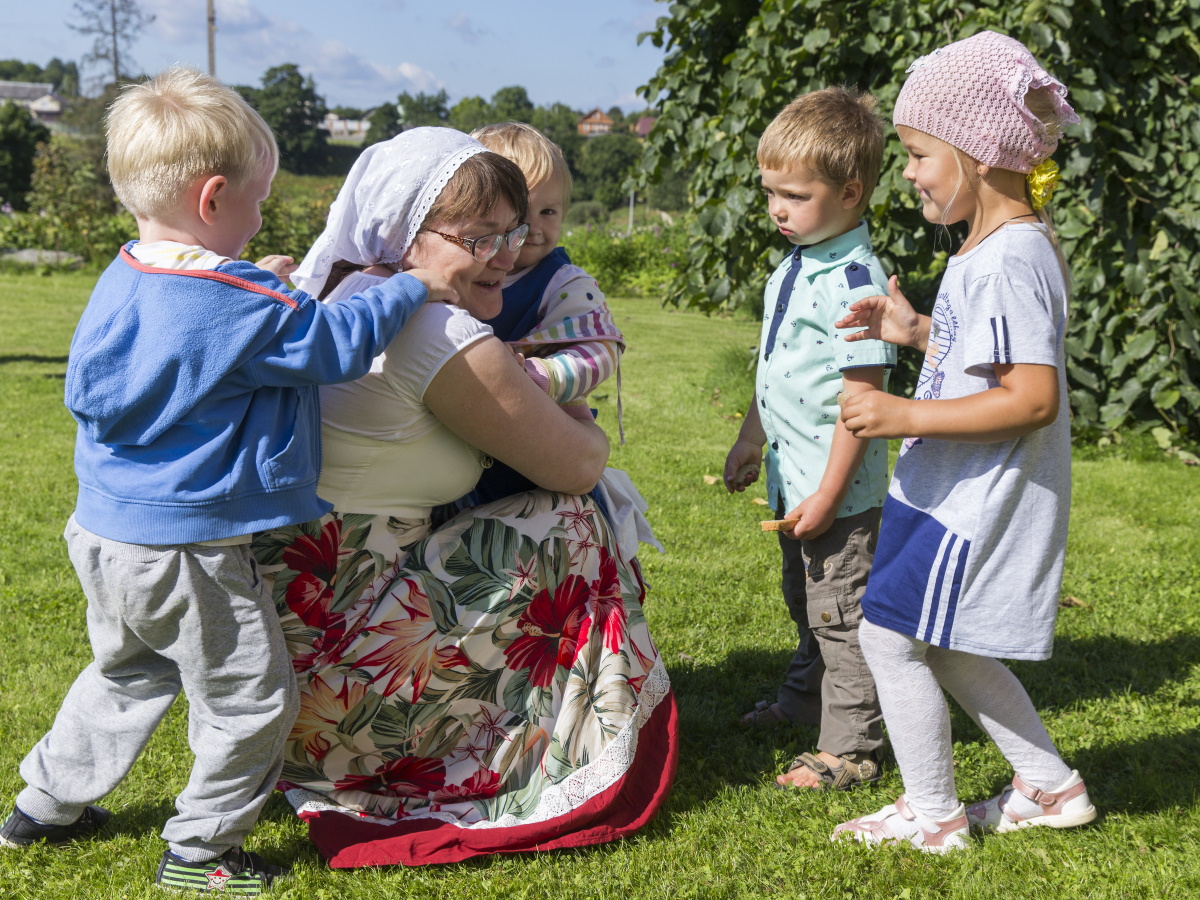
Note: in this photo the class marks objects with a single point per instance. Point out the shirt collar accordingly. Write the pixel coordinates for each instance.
(829, 253)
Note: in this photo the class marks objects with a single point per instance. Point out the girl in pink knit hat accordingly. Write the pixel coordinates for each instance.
(969, 561)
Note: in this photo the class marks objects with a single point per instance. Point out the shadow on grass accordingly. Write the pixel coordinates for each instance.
(718, 753)
(33, 358)
(1104, 666)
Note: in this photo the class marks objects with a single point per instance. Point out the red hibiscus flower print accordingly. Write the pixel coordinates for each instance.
(609, 604)
(315, 560)
(402, 649)
(408, 776)
(550, 627)
(483, 785)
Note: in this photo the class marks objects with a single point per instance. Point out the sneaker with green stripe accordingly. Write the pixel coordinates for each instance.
(235, 873)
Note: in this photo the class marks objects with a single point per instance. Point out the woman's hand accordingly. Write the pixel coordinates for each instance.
(889, 318)
(877, 414)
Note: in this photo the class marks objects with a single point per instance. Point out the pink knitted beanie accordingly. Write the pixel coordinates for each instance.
(971, 94)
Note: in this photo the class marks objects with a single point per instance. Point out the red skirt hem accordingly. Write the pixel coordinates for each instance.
(619, 811)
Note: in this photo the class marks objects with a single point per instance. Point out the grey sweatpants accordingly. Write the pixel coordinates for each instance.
(162, 618)
(828, 680)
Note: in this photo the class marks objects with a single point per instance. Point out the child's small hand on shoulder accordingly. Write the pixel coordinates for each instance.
(278, 265)
(436, 285)
(888, 318)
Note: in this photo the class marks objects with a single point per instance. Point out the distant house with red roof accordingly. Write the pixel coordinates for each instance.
(643, 126)
(594, 123)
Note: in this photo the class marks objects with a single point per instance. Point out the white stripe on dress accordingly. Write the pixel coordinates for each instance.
(927, 602)
(947, 591)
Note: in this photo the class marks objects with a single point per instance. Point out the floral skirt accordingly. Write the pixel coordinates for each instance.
(490, 686)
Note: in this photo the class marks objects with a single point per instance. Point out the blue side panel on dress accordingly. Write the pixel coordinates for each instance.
(916, 577)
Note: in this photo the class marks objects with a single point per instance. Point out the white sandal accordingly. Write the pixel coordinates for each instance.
(1067, 807)
(900, 823)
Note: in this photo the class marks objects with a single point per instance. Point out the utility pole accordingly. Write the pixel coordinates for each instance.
(212, 30)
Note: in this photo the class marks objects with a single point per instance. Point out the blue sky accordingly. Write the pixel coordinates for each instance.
(364, 52)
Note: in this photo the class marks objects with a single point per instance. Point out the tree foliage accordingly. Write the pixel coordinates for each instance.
(1127, 211)
(423, 109)
(289, 103)
(114, 25)
(470, 113)
(607, 161)
(384, 124)
(512, 104)
(20, 134)
(64, 76)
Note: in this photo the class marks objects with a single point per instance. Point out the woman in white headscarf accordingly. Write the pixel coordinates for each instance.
(488, 685)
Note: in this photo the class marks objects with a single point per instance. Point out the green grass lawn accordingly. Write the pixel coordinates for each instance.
(1121, 695)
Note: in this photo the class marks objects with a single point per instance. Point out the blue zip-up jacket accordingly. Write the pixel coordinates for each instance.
(196, 396)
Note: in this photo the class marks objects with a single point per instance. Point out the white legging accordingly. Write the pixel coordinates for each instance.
(910, 675)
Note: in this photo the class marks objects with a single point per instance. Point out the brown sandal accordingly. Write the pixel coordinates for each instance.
(765, 715)
(856, 769)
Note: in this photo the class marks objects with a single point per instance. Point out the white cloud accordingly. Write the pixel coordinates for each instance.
(466, 29)
(335, 62)
(180, 23)
(249, 42)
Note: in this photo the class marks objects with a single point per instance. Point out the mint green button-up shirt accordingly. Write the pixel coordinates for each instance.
(800, 363)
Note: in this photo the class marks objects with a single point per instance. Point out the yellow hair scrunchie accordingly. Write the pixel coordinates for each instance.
(1042, 182)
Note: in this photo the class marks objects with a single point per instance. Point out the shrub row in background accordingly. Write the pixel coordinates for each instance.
(1128, 210)
(639, 263)
(72, 208)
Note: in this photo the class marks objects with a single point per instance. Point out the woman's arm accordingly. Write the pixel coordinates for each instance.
(1025, 400)
(485, 398)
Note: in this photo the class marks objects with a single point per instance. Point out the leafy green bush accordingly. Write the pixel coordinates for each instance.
(71, 208)
(20, 135)
(1127, 212)
(641, 263)
(587, 212)
(291, 226)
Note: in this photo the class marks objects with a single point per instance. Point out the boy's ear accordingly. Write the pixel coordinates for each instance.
(852, 193)
(212, 192)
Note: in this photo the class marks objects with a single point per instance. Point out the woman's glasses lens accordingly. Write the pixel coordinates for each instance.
(516, 237)
(489, 245)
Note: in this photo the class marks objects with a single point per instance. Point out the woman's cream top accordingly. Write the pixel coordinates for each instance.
(383, 451)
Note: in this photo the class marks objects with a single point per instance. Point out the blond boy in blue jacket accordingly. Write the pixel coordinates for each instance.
(193, 378)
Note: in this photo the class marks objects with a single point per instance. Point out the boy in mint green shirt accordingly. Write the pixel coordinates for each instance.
(819, 161)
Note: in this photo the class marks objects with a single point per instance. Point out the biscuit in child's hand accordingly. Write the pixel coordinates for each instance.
(747, 474)
(779, 524)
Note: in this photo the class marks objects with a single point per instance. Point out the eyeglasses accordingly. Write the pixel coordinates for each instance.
(484, 248)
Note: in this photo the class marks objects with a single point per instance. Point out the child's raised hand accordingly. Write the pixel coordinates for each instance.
(438, 287)
(889, 318)
(278, 265)
(742, 465)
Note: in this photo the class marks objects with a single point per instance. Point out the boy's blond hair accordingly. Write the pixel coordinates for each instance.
(834, 132)
(538, 157)
(181, 125)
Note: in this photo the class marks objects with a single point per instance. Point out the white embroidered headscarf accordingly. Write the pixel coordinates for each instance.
(385, 199)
